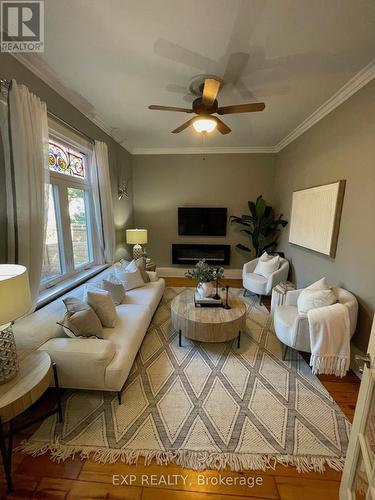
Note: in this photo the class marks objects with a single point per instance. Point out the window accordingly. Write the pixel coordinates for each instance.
(69, 246)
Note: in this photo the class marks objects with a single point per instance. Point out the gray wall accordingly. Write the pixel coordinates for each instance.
(119, 158)
(164, 182)
(341, 146)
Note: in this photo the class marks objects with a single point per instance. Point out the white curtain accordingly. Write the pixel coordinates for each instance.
(8, 187)
(102, 194)
(29, 151)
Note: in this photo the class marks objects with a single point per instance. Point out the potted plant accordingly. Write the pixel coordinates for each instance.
(204, 274)
(262, 226)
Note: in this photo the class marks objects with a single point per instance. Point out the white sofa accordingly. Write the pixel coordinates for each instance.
(259, 284)
(292, 328)
(99, 364)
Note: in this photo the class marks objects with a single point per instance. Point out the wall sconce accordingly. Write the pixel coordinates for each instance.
(123, 189)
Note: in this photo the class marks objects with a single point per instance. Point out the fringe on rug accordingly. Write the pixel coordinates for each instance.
(195, 460)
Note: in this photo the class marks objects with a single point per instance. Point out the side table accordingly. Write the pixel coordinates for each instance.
(279, 294)
(36, 371)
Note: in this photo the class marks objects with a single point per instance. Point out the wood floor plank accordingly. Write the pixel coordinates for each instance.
(43, 466)
(163, 494)
(89, 491)
(52, 488)
(308, 489)
(24, 487)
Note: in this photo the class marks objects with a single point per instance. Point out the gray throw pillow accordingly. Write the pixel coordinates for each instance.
(80, 320)
(102, 303)
(115, 288)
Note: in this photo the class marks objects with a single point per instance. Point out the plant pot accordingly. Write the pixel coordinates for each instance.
(205, 289)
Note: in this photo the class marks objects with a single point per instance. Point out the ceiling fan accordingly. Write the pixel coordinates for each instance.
(205, 106)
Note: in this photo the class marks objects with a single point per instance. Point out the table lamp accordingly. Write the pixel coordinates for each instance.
(15, 302)
(136, 237)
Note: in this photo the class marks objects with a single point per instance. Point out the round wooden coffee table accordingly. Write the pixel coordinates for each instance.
(207, 324)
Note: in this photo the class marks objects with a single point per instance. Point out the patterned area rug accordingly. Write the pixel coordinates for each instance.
(205, 406)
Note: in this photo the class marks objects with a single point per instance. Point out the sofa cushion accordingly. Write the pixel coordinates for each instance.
(149, 294)
(127, 337)
(288, 332)
(313, 299)
(80, 362)
(255, 283)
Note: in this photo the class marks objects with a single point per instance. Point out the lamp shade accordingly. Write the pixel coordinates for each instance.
(15, 300)
(136, 236)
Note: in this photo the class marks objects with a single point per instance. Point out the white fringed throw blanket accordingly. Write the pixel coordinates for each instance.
(330, 340)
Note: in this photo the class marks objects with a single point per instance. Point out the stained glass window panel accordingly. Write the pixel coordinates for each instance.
(65, 161)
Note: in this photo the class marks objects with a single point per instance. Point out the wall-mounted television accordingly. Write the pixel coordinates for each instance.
(201, 221)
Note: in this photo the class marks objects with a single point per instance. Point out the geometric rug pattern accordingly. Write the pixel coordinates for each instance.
(206, 405)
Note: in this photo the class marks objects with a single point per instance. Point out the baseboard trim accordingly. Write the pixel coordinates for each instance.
(179, 272)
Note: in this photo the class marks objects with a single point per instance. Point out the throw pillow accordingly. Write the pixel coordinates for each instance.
(312, 299)
(141, 265)
(267, 267)
(115, 288)
(265, 256)
(138, 264)
(321, 284)
(80, 320)
(94, 287)
(102, 303)
(130, 279)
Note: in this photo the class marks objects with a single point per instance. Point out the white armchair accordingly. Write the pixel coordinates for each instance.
(259, 284)
(292, 328)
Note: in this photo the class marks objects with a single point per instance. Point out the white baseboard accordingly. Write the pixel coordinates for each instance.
(179, 272)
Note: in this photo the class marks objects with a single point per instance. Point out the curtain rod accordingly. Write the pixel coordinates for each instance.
(4, 89)
(52, 115)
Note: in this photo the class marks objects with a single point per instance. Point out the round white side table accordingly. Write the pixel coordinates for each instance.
(279, 294)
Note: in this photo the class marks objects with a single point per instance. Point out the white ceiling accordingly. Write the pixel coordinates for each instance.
(114, 58)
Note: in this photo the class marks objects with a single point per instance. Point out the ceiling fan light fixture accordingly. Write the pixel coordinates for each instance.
(204, 125)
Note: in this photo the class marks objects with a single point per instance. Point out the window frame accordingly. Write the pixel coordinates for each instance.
(60, 183)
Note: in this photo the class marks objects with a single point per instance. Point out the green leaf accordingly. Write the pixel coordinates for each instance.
(260, 207)
(242, 247)
(252, 208)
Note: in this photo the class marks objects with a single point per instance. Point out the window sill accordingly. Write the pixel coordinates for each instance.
(56, 291)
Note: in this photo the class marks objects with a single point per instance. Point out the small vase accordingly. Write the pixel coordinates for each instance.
(205, 289)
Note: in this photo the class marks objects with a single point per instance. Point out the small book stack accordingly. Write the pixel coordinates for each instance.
(207, 301)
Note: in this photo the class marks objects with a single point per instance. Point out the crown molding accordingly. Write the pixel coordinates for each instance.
(351, 87)
(37, 66)
(203, 150)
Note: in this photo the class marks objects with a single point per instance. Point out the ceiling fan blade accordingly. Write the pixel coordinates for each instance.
(169, 108)
(221, 127)
(241, 108)
(183, 126)
(210, 91)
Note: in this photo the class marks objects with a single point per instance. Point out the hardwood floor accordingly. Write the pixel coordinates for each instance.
(41, 478)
